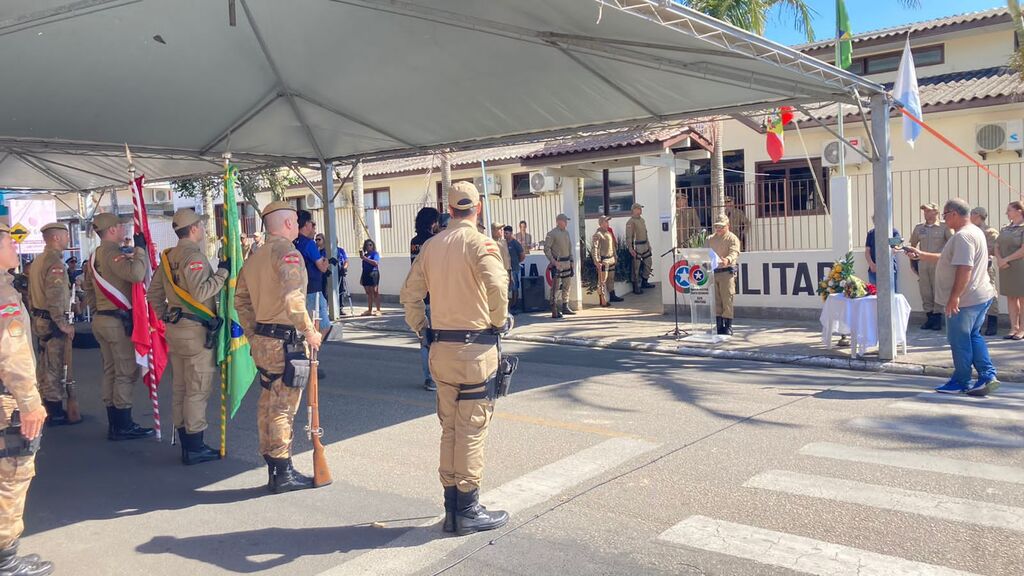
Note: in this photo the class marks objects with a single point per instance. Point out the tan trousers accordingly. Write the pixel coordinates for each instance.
(609, 281)
(725, 292)
(120, 372)
(275, 412)
(193, 368)
(560, 289)
(15, 476)
(463, 424)
(926, 281)
(993, 310)
(50, 365)
(645, 259)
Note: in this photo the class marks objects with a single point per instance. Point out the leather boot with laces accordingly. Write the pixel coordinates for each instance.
(31, 565)
(55, 414)
(194, 450)
(450, 502)
(124, 428)
(286, 478)
(471, 517)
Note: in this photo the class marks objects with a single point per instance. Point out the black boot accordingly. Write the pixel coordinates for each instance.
(31, 565)
(727, 325)
(471, 517)
(636, 288)
(930, 323)
(450, 501)
(614, 298)
(286, 478)
(125, 428)
(938, 322)
(719, 327)
(566, 310)
(992, 325)
(55, 414)
(555, 312)
(111, 421)
(646, 284)
(194, 450)
(270, 472)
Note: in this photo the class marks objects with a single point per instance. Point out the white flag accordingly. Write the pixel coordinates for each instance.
(906, 92)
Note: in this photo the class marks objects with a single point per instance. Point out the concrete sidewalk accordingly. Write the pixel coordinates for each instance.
(774, 341)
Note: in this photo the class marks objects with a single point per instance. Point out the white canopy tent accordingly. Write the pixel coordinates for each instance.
(328, 81)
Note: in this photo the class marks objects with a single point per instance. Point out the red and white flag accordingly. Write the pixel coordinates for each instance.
(148, 334)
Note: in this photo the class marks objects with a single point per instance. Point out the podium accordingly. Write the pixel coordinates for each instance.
(692, 276)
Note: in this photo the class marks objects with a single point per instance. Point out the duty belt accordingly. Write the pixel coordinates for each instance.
(465, 336)
(639, 242)
(121, 314)
(277, 331)
(607, 257)
(174, 315)
(567, 259)
(730, 270)
(44, 314)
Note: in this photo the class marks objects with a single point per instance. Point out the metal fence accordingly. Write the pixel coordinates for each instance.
(776, 215)
(398, 221)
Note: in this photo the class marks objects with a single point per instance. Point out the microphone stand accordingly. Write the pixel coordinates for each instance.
(675, 333)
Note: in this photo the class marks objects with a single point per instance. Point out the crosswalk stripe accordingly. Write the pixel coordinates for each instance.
(940, 431)
(961, 410)
(914, 461)
(422, 546)
(885, 497)
(794, 552)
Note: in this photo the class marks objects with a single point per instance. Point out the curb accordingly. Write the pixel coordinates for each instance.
(860, 365)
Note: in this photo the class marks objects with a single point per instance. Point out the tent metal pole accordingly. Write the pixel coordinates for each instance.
(881, 170)
(48, 173)
(331, 231)
(44, 161)
(253, 112)
(280, 79)
(355, 120)
(835, 133)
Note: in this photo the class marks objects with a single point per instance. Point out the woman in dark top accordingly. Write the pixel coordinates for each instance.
(370, 278)
(427, 221)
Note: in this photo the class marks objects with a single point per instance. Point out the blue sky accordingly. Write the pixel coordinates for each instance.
(869, 15)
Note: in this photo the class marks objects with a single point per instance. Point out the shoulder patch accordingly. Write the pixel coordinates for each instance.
(292, 258)
(195, 265)
(10, 310)
(16, 329)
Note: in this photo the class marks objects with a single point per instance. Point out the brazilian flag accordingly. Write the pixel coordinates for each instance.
(233, 352)
(844, 44)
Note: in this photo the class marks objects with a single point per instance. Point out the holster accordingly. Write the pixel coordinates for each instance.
(296, 368)
(15, 445)
(212, 327)
(507, 365)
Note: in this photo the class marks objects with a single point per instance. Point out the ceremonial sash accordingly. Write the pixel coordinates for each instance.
(109, 290)
(191, 303)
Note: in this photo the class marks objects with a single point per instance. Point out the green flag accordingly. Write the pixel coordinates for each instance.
(844, 44)
(233, 353)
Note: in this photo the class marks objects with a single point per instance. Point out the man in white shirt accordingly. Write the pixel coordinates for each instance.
(962, 286)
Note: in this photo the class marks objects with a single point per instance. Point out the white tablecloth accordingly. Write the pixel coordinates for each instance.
(858, 317)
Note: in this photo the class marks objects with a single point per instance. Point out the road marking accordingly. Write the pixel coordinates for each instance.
(885, 497)
(422, 546)
(913, 461)
(793, 552)
(941, 431)
(961, 409)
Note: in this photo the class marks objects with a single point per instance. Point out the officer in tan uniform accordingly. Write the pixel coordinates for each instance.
(50, 298)
(271, 305)
(498, 235)
(930, 236)
(727, 246)
(602, 250)
(558, 249)
(20, 406)
(468, 288)
(640, 249)
(184, 293)
(979, 217)
(688, 221)
(738, 221)
(108, 289)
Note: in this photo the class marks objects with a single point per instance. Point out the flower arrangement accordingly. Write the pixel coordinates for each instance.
(835, 279)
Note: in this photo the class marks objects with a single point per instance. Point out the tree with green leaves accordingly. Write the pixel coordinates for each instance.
(1017, 60)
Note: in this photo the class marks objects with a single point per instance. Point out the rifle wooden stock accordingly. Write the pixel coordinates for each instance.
(74, 415)
(321, 472)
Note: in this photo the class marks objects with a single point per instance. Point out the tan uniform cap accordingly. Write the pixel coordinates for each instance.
(929, 206)
(721, 223)
(636, 205)
(463, 196)
(184, 218)
(562, 217)
(4, 228)
(277, 206)
(603, 218)
(106, 220)
(54, 226)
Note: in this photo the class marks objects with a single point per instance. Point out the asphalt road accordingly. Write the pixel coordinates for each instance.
(611, 462)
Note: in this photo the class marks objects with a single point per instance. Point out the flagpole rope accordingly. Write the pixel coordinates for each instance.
(807, 156)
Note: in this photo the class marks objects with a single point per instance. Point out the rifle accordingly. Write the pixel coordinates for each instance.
(321, 473)
(74, 416)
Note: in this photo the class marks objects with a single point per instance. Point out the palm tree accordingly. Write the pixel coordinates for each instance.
(1017, 61)
(751, 15)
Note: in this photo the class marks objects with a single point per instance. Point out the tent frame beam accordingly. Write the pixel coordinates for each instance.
(607, 81)
(355, 120)
(841, 138)
(44, 161)
(253, 112)
(48, 173)
(59, 13)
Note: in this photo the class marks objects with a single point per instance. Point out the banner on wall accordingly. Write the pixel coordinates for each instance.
(32, 214)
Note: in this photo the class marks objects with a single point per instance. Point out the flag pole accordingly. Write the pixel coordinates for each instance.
(224, 364)
(839, 112)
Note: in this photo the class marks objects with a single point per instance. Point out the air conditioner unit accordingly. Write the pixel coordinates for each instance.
(996, 136)
(313, 202)
(541, 183)
(493, 185)
(161, 196)
(830, 152)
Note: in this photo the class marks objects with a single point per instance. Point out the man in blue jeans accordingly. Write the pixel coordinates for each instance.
(316, 265)
(963, 287)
